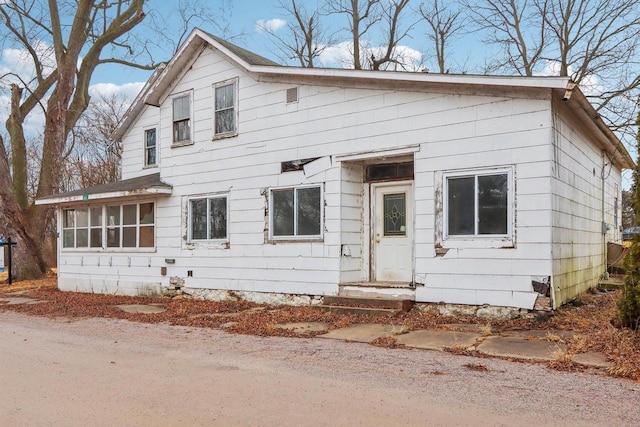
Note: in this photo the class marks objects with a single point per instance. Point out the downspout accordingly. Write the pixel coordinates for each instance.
(605, 226)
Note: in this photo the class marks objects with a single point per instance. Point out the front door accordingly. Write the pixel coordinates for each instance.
(392, 245)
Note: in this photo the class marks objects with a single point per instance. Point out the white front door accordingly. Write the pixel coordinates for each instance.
(392, 245)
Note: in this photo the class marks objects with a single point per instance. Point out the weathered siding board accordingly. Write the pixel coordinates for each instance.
(578, 242)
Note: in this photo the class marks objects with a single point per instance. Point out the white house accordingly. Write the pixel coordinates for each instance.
(243, 176)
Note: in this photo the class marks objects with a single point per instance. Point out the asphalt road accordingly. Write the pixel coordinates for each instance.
(102, 372)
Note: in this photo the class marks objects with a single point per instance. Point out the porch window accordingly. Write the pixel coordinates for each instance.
(296, 212)
(478, 204)
(225, 108)
(182, 118)
(124, 226)
(208, 219)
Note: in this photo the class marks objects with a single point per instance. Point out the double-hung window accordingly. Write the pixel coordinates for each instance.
(150, 147)
(478, 204)
(75, 228)
(208, 219)
(225, 108)
(296, 212)
(182, 119)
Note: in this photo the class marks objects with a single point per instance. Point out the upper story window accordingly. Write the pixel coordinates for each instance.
(479, 204)
(296, 212)
(225, 108)
(182, 119)
(119, 226)
(150, 149)
(208, 219)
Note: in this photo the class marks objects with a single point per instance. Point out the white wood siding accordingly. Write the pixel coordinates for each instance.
(453, 132)
(579, 257)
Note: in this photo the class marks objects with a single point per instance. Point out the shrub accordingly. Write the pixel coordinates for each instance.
(629, 300)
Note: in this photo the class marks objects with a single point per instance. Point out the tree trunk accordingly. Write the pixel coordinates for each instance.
(28, 262)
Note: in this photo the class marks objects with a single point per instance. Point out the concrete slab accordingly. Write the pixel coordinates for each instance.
(592, 359)
(468, 327)
(438, 340)
(364, 333)
(519, 348)
(19, 300)
(544, 334)
(141, 308)
(304, 327)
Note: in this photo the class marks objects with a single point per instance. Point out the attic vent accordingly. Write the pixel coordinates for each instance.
(292, 95)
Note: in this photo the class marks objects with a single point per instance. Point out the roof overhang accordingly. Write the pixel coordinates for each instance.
(134, 188)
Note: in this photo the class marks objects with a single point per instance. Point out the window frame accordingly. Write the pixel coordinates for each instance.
(479, 240)
(104, 227)
(294, 237)
(206, 197)
(189, 141)
(229, 82)
(147, 148)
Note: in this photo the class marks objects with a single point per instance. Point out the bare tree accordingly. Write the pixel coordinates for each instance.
(517, 27)
(63, 42)
(392, 11)
(362, 16)
(444, 25)
(306, 37)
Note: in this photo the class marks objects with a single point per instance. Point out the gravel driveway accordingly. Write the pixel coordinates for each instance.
(115, 372)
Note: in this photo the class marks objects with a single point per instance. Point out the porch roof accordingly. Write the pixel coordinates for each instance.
(147, 185)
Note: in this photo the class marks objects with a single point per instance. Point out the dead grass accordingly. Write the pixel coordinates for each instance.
(593, 324)
(479, 367)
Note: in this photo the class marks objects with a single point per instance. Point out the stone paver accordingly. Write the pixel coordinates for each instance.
(141, 308)
(519, 348)
(302, 327)
(438, 340)
(19, 300)
(364, 333)
(591, 359)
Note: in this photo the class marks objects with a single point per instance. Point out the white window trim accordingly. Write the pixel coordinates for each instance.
(207, 242)
(189, 141)
(144, 146)
(484, 240)
(234, 81)
(104, 227)
(296, 238)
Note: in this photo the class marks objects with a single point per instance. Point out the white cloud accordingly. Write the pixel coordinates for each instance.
(341, 55)
(18, 61)
(108, 90)
(270, 25)
(590, 84)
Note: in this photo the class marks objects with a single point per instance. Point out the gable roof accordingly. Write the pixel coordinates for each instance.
(265, 69)
(133, 187)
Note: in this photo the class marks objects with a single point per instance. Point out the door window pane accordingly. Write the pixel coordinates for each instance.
(113, 216)
(113, 237)
(460, 203)
(395, 214)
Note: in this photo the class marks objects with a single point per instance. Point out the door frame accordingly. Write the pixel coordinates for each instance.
(372, 206)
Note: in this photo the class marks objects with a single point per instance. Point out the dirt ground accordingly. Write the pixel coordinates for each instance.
(97, 371)
(592, 319)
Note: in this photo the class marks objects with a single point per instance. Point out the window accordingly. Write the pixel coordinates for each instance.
(150, 147)
(225, 108)
(208, 218)
(296, 212)
(125, 226)
(182, 118)
(478, 204)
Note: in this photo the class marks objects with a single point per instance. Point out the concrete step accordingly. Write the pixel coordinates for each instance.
(393, 304)
(370, 311)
